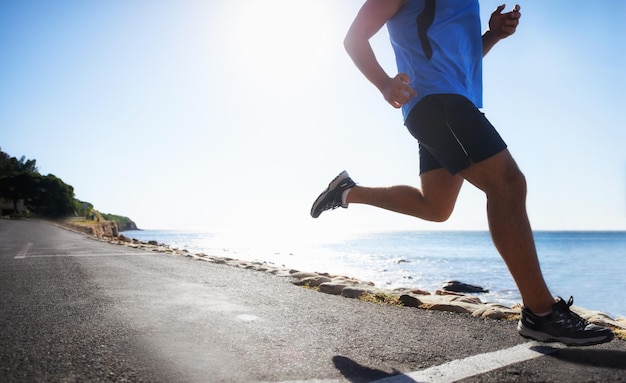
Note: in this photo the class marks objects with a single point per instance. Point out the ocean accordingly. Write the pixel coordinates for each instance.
(591, 266)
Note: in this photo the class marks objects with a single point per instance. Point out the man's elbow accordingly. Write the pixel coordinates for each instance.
(348, 43)
(351, 44)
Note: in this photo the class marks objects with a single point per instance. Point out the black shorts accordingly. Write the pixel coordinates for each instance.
(452, 133)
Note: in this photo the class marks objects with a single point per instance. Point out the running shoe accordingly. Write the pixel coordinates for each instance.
(331, 197)
(562, 325)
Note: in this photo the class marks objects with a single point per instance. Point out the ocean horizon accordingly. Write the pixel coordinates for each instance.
(588, 265)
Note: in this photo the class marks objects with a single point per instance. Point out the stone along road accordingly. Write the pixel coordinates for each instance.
(78, 310)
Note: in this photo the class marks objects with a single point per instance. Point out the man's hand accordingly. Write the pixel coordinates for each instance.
(503, 25)
(396, 90)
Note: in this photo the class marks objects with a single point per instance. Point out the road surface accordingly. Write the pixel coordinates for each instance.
(74, 309)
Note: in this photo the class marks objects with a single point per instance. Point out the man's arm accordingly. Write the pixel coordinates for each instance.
(501, 25)
(370, 19)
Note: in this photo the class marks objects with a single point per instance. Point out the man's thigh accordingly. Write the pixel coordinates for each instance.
(441, 188)
(495, 173)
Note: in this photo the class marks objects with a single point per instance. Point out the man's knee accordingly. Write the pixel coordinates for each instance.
(440, 190)
(439, 212)
(439, 217)
(513, 183)
(512, 178)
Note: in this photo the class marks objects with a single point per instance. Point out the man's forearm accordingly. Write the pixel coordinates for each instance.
(365, 60)
(489, 40)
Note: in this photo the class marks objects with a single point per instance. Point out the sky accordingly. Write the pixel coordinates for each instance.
(235, 114)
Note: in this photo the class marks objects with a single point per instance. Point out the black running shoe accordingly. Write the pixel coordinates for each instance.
(331, 197)
(562, 325)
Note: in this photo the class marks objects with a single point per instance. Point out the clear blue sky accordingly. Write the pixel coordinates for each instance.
(234, 113)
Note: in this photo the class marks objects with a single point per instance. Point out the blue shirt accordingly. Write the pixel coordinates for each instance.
(444, 58)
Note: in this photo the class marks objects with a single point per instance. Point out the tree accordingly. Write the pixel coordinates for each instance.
(52, 197)
(47, 196)
(21, 187)
(17, 178)
(10, 165)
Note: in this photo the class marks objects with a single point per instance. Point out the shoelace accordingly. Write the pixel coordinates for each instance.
(332, 204)
(570, 318)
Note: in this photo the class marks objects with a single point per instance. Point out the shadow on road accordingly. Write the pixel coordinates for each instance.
(591, 357)
(357, 373)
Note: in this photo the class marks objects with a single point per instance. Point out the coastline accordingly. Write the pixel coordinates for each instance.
(357, 289)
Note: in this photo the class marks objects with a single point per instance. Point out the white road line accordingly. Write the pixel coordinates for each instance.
(474, 365)
(23, 251)
(463, 368)
(76, 255)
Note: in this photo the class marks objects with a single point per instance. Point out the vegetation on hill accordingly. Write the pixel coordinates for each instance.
(43, 195)
(30, 193)
(123, 223)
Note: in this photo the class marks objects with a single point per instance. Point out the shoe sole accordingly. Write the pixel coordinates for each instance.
(332, 185)
(543, 337)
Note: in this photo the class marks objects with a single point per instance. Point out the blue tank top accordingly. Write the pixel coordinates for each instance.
(438, 44)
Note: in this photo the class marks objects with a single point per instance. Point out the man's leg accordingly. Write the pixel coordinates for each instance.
(505, 187)
(543, 318)
(434, 201)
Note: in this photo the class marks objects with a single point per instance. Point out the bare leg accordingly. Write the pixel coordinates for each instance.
(505, 187)
(434, 202)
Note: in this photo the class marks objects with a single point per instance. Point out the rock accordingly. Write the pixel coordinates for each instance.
(460, 287)
(492, 313)
(451, 307)
(102, 230)
(620, 322)
(123, 238)
(332, 288)
(303, 274)
(410, 300)
(401, 290)
(354, 291)
(465, 299)
(479, 311)
(443, 292)
(312, 281)
(282, 273)
(419, 292)
(487, 312)
(348, 281)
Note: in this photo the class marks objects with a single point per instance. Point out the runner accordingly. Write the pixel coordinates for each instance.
(439, 50)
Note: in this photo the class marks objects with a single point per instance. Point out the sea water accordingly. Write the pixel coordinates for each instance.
(591, 266)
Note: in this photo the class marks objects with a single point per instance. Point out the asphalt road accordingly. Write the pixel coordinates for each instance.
(74, 309)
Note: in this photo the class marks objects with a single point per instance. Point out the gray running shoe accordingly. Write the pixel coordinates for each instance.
(562, 325)
(331, 197)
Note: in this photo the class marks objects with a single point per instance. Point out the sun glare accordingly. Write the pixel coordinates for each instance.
(280, 41)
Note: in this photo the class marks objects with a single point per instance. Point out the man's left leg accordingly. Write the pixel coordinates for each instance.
(505, 187)
(542, 318)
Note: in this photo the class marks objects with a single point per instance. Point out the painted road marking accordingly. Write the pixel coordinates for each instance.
(23, 251)
(463, 368)
(474, 365)
(23, 254)
(247, 317)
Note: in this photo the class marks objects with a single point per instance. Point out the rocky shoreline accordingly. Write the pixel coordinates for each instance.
(345, 286)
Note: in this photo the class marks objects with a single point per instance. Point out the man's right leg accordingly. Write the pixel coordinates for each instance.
(433, 202)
